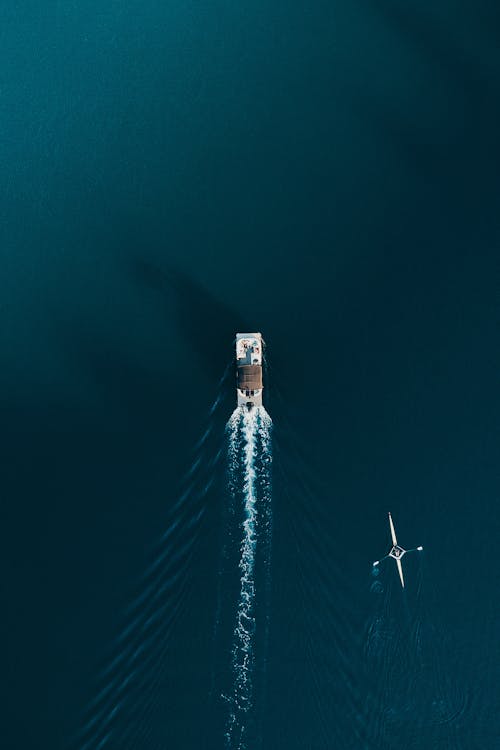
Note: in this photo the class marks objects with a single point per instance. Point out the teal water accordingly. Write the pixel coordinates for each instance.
(328, 175)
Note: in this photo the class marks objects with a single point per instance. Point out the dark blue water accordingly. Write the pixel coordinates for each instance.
(172, 174)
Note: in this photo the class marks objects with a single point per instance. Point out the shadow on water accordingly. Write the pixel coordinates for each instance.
(433, 39)
(205, 322)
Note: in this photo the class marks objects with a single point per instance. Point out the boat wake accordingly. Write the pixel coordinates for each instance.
(249, 469)
(417, 687)
(127, 711)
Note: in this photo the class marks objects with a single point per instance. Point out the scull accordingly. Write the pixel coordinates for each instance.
(397, 552)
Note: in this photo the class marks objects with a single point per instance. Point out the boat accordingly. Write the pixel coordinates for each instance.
(249, 384)
(397, 552)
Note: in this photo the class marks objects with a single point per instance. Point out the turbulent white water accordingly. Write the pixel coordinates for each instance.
(249, 460)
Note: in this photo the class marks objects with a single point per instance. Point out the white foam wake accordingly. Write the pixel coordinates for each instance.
(249, 453)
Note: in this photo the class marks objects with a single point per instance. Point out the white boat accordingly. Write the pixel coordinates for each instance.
(249, 384)
(397, 552)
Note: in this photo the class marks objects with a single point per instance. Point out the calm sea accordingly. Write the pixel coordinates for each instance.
(327, 174)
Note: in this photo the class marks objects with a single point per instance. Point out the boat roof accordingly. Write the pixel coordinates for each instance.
(248, 336)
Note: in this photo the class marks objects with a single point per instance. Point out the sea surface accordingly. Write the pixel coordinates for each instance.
(175, 577)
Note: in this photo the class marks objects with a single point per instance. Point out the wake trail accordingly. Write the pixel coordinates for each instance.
(249, 463)
(128, 683)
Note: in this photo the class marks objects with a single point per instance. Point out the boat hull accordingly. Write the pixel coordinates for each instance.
(249, 383)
